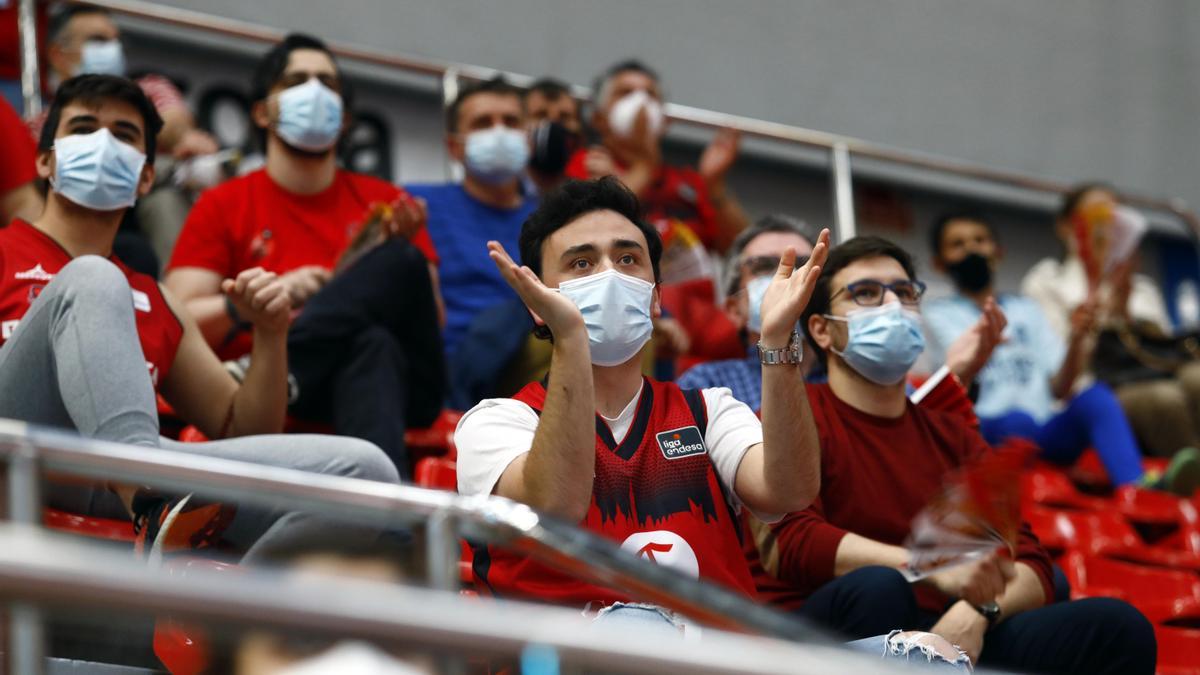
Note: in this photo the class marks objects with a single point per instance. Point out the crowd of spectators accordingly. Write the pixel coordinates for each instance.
(785, 462)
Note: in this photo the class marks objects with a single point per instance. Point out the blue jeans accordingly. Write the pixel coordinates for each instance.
(1094, 418)
(658, 622)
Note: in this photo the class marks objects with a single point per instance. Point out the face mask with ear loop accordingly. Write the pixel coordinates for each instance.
(310, 116)
(97, 171)
(884, 342)
(616, 311)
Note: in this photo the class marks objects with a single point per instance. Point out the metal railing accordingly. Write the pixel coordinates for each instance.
(30, 452)
(53, 572)
(842, 150)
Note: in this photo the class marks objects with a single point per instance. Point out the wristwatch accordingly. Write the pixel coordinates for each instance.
(792, 354)
(989, 611)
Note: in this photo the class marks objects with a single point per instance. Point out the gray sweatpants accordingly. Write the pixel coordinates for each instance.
(75, 362)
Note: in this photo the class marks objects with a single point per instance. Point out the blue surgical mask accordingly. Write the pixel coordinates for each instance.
(496, 155)
(616, 311)
(102, 58)
(310, 116)
(884, 342)
(96, 170)
(756, 290)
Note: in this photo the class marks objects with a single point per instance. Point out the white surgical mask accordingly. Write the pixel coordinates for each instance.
(623, 114)
(616, 311)
(310, 116)
(496, 155)
(97, 171)
(884, 342)
(102, 58)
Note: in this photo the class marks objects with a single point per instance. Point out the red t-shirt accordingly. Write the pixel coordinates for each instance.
(17, 167)
(677, 193)
(671, 510)
(29, 259)
(876, 474)
(252, 222)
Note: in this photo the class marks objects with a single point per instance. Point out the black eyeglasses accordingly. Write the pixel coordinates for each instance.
(766, 264)
(870, 293)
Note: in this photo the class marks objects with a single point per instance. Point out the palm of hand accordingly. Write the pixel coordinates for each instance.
(790, 290)
(719, 156)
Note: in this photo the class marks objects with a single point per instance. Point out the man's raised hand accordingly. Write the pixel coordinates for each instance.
(557, 311)
(789, 293)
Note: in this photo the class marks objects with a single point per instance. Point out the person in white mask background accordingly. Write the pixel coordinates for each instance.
(86, 343)
(85, 39)
(627, 116)
(297, 217)
(486, 136)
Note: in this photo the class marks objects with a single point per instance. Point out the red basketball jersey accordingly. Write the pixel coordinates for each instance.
(656, 493)
(29, 259)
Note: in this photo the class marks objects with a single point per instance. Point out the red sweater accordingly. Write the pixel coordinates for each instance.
(876, 474)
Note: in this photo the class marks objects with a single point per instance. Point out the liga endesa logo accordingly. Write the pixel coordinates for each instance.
(679, 443)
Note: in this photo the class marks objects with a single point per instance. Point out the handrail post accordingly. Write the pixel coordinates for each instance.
(449, 87)
(442, 551)
(843, 192)
(26, 632)
(30, 91)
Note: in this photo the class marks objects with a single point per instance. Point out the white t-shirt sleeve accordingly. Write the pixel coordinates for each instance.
(733, 428)
(489, 437)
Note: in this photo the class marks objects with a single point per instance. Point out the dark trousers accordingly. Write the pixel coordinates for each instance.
(366, 351)
(1095, 635)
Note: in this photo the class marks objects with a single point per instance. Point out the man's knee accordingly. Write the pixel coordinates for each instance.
(93, 281)
(1116, 629)
(1096, 401)
(356, 458)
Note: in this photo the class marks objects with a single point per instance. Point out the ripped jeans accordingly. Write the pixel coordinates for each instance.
(915, 647)
(906, 645)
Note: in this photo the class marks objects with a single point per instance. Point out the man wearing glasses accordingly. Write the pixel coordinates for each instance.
(753, 258)
(883, 459)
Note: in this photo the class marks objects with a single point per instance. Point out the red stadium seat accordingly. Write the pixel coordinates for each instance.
(183, 648)
(1164, 596)
(438, 439)
(97, 528)
(1150, 508)
(437, 473)
(1178, 650)
(1048, 486)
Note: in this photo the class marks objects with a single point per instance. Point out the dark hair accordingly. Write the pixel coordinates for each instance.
(841, 257)
(775, 222)
(92, 90)
(938, 230)
(61, 17)
(402, 550)
(1076, 194)
(272, 65)
(496, 85)
(628, 65)
(553, 89)
(570, 201)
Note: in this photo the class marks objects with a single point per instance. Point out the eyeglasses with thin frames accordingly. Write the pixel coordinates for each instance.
(870, 293)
